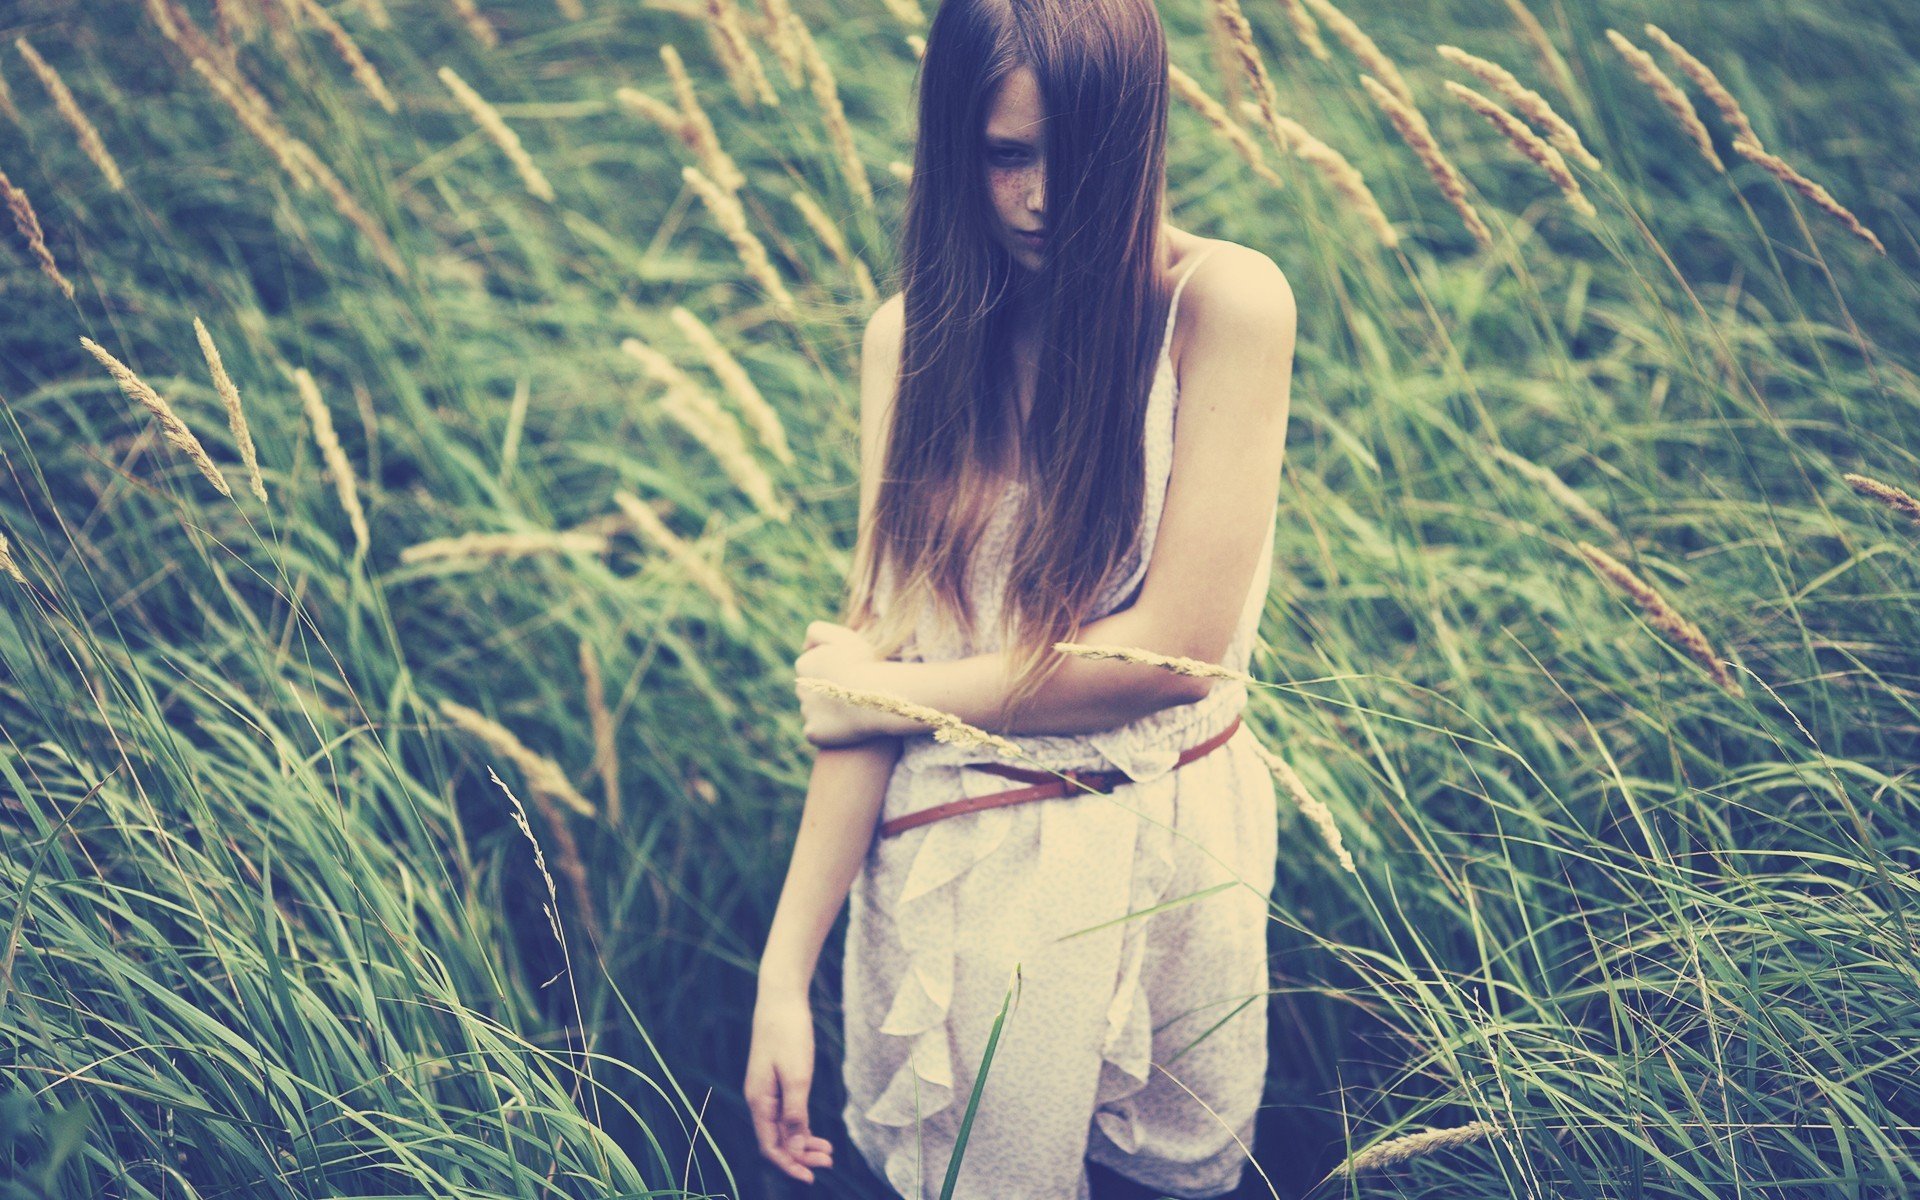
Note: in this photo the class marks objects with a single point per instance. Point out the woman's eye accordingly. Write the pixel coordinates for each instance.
(1008, 158)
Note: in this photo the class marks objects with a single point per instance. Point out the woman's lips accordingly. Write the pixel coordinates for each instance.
(1032, 239)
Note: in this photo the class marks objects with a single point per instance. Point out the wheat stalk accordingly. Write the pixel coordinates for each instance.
(1527, 102)
(732, 219)
(1178, 664)
(648, 524)
(1315, 813)
(737, 56)
(477, 24)
(28, 223)
(606, 749)
(826, 94)
(1343, 177)
(1780, 169)
(8, 565)
(706, 142)
(236, 418)
(1239, 36)
(824, 228)
(1400, 1149)
(171, 425)
(1188, 89)
(503, 136)
(739, 385)
(1528, 143)
(1413, 130)
(946, 727)
(544, 776)
(1886, 494)
(69, 109)
(493, 546)
(1706, 81)
(1661, 615)
(351, 54)
(1668, 92)
(336, 458)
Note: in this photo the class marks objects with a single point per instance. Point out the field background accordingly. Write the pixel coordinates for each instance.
(271, 929)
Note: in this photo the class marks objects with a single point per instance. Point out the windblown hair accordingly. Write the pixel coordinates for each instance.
(1101, 301)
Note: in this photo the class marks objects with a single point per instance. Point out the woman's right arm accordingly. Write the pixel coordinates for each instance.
(845, 793)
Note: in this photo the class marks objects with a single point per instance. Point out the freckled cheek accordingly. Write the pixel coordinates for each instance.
(1010, 190)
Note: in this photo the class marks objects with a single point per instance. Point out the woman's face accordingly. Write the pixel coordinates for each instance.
(1015, 151)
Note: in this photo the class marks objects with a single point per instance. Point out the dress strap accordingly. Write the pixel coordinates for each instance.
(1173, 309)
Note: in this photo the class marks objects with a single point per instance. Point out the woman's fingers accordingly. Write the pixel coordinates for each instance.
(764, 1103)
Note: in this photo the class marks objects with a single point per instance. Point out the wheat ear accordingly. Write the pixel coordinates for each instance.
(174, 429)
(1528, 143)
(1661, 615)
(1668, 93)
(236, 416)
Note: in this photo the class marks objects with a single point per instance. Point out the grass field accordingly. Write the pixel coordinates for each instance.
(345, 858)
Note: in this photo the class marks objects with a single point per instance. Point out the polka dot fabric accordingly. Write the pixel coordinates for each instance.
(1138, 1042)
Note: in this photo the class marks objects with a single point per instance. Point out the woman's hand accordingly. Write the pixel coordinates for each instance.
(840, 655)
(779, 1072)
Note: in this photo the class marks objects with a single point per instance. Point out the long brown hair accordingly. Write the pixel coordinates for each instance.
(1101, 302)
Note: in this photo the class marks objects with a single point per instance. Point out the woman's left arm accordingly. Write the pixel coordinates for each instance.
(1231, 428)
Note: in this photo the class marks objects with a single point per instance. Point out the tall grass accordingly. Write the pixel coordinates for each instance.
(1556, 904)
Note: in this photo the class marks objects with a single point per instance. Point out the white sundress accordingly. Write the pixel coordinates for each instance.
(1142, 1044)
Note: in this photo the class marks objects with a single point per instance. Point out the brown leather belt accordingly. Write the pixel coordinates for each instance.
(1045, 785)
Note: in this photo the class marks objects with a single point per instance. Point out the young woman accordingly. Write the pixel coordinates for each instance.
(1021, 484)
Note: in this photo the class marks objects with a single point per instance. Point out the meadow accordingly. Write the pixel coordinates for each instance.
(427, 427)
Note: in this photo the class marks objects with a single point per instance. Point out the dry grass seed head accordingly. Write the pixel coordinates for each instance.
(946, 727)
(1528, 143)
(1780, 169)
(738, 384)
(1188, 89)
(1413, 130)
(1240, 38)
(1343, 177)
(69, 110)
(1886, 494)
(28, 223)
(651, 528)
(1668, 93)
(338, 469)
(236, 416)
(1661, 615)
(171, 425)
(1704, 79)
(1525, 101)
(732, 219)
(1315, 812)
(736, 54)
(706, 140)
(1413, 1145)
(350, 53)
(502, 135)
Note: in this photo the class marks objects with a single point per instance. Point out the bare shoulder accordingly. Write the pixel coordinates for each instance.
(1236, 285)
(1237, 312)
(888, 322)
